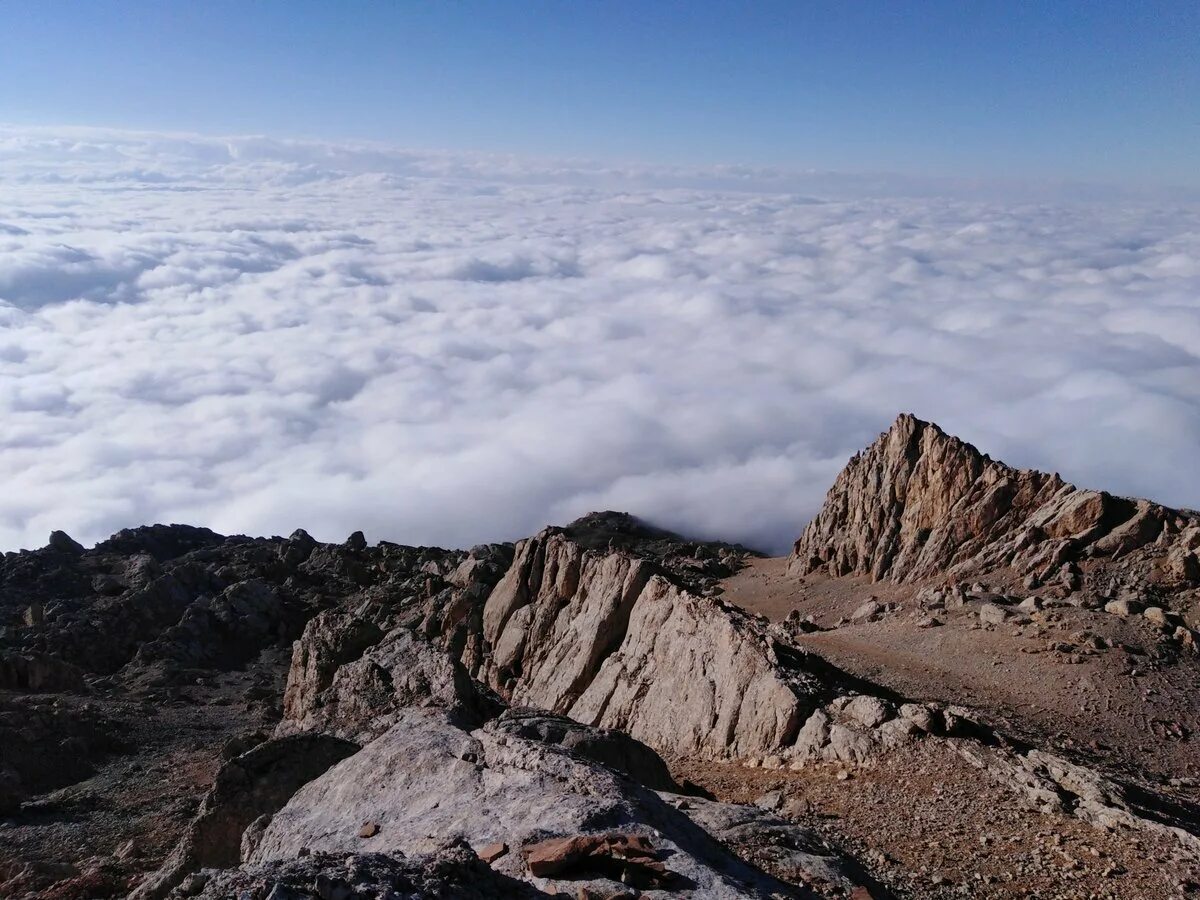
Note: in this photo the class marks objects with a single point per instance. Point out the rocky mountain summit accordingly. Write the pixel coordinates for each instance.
(609, 710)
(919, 505)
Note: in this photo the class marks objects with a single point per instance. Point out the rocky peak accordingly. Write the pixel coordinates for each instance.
(919, 504)
(694, 563)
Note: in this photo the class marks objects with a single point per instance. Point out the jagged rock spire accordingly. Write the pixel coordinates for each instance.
(920, 504)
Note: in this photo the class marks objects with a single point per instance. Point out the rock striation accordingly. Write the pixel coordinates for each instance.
(919, 504)
(610, 640)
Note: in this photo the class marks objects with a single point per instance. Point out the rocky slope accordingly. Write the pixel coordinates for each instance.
(586, 713)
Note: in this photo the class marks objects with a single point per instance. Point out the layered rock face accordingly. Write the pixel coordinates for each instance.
(919, 504)
(607, 640)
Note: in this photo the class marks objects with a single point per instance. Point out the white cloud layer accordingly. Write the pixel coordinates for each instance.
(259, 335)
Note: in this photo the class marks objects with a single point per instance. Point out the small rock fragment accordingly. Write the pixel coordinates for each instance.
(492, 852)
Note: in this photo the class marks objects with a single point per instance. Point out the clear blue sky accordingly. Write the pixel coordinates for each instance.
(1079, 90)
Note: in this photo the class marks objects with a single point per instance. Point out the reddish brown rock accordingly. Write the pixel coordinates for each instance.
(492, 852)
(630, 858)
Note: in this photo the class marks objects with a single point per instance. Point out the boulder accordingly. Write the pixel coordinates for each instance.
(1156, 615)
(426, 781)
(1123, 608)
(869, 712)
(867, 611)
(61, 542)
(991, 614)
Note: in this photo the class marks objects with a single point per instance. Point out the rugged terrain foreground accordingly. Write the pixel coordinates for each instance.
(966, 681)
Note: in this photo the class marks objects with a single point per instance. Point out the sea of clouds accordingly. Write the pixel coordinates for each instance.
(260, 335)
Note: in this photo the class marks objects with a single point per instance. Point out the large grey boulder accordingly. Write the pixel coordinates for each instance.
(426, 780)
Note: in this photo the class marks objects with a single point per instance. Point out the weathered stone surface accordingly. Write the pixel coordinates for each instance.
(782, 848)
(920, 504)
(426, 780)
(693, 677)
(349, 680)
(452, 871)
(553, 619)
(330, 640)
(1053, 784)
(611, 748)
(606, 641)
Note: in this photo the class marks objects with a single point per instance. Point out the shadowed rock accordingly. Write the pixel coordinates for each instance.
(248, 787)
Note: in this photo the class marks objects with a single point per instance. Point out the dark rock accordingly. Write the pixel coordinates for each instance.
(254, 784)
(62, 542)
(611, 748)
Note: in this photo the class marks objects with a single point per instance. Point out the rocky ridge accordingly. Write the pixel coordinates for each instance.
(919, 505)
(510, 717)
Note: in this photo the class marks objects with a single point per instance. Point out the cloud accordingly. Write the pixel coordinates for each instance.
(260, 335)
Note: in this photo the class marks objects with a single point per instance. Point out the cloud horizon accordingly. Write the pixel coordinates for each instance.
(259, 335)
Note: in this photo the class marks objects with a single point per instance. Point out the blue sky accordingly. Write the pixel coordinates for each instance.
(1063, 90)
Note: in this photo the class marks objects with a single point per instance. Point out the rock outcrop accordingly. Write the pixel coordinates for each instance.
(349, 680)
(607, 639)
(919, 504)
(426, 781)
